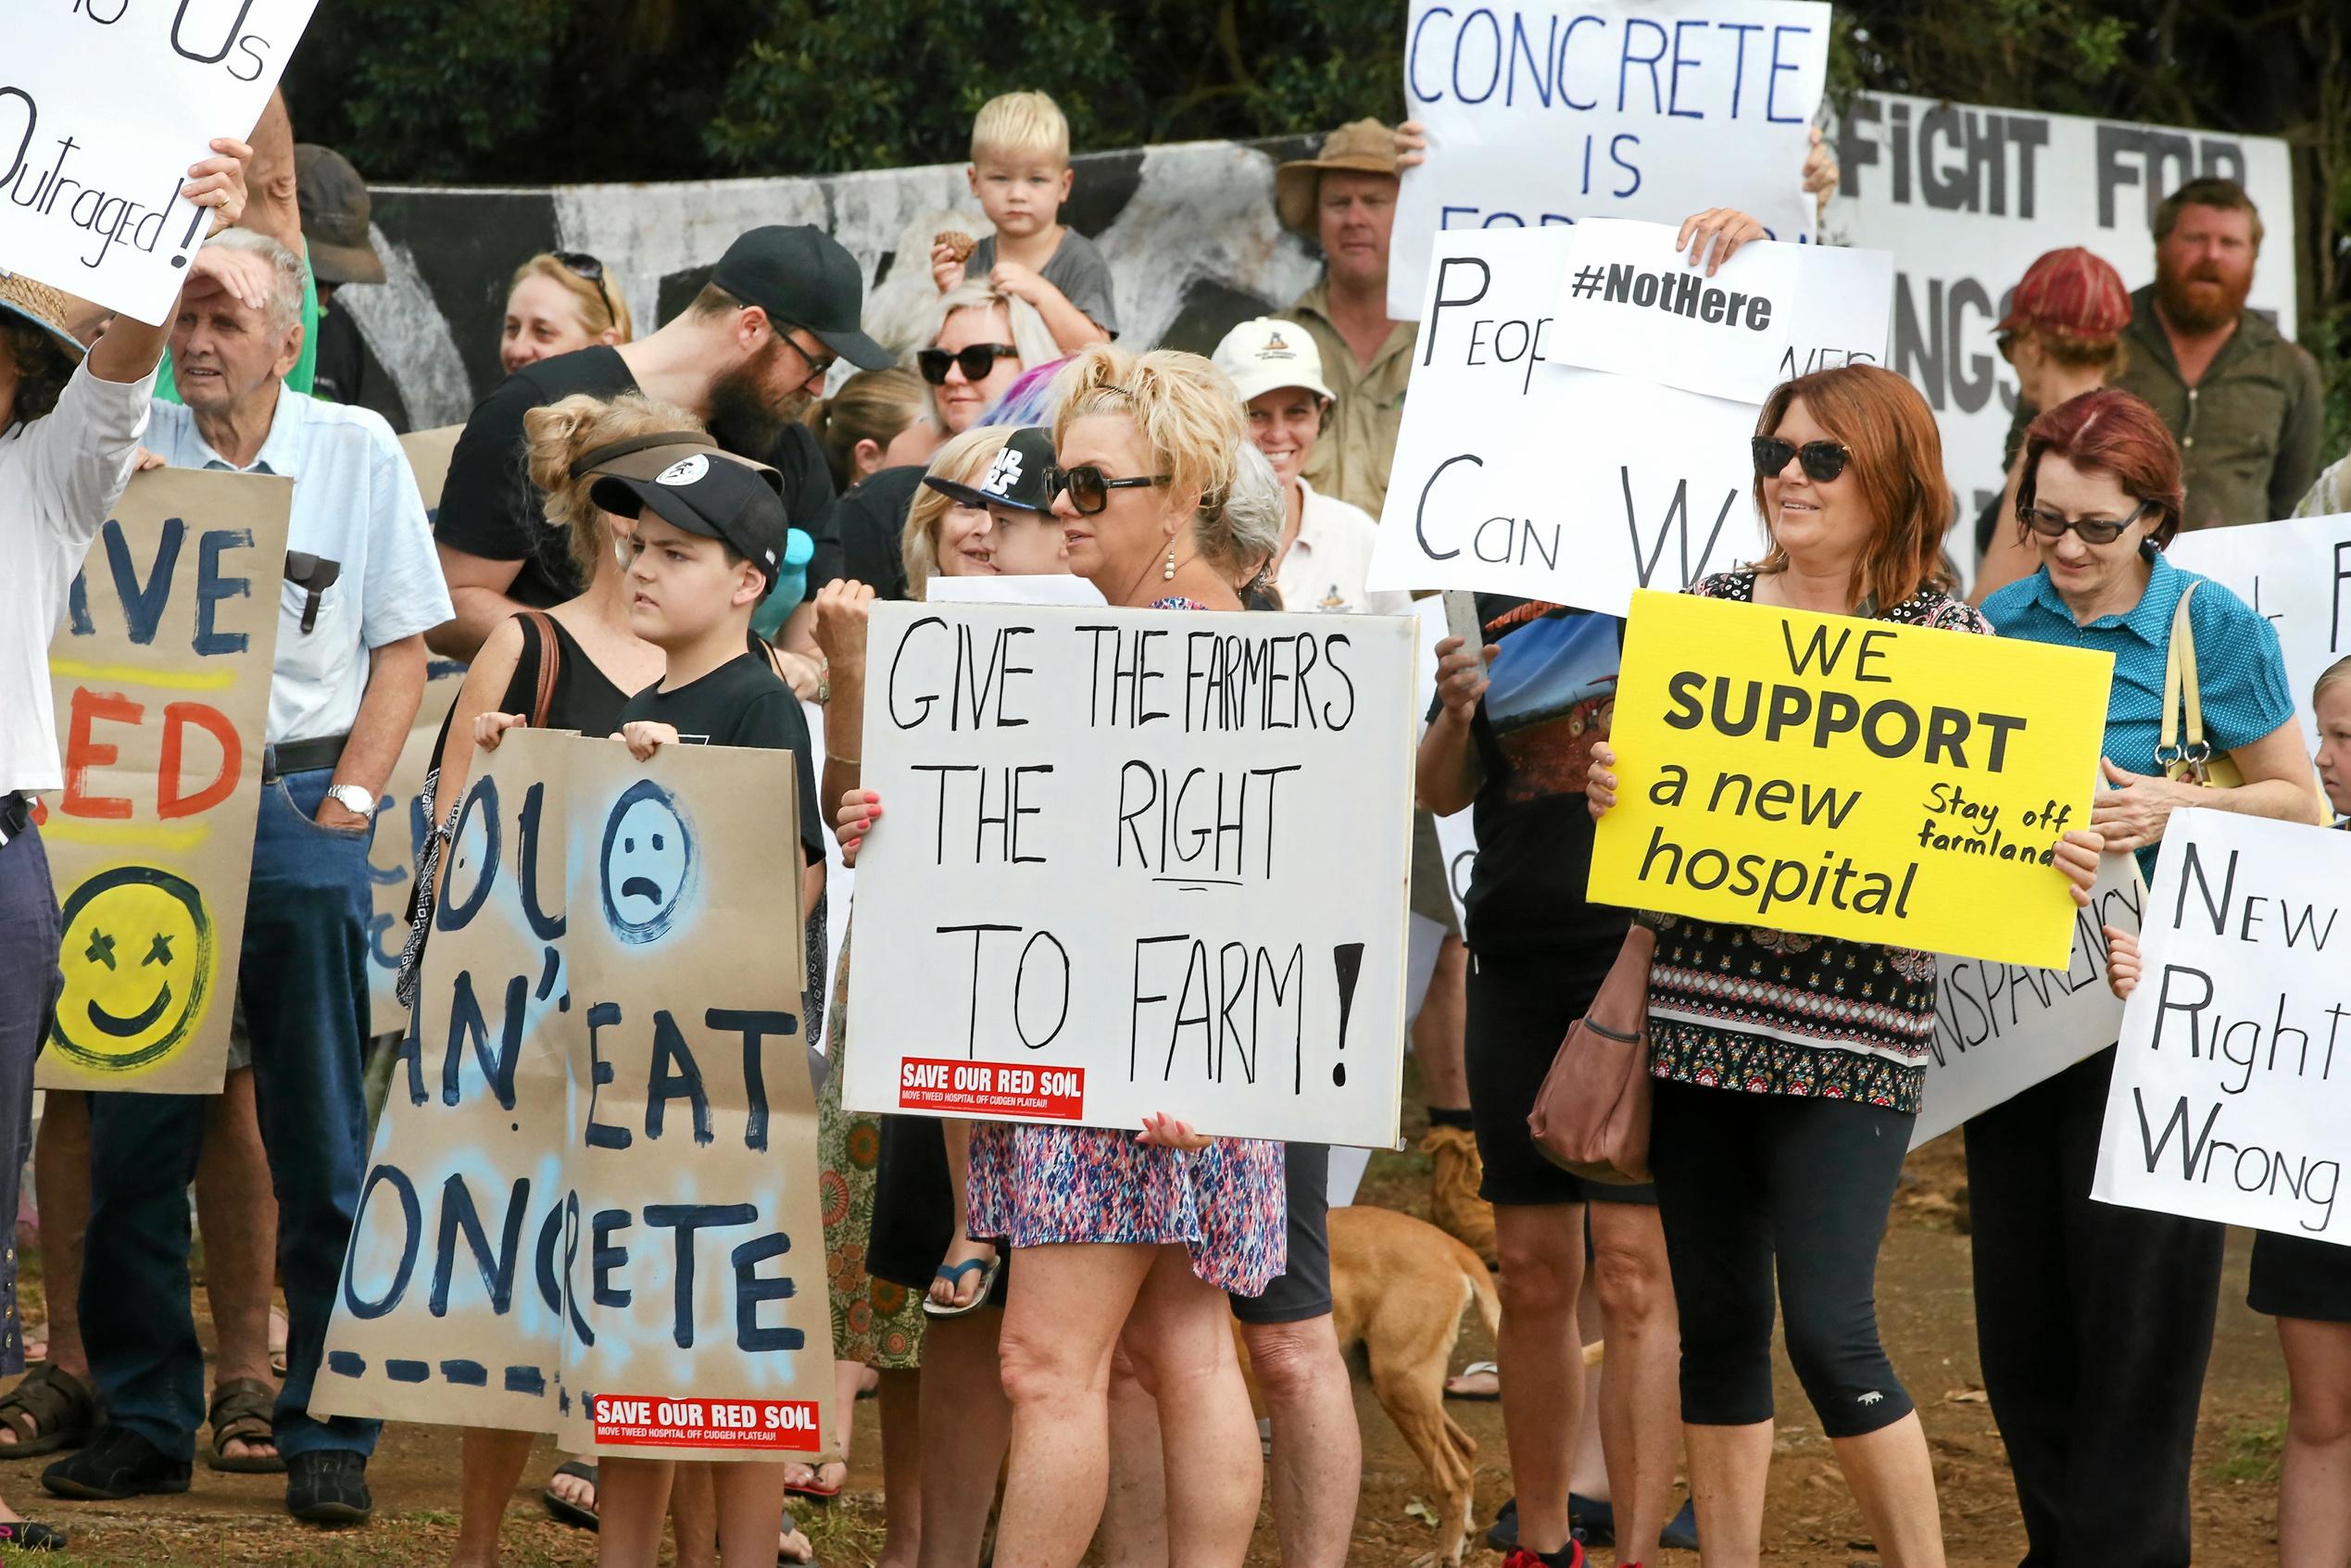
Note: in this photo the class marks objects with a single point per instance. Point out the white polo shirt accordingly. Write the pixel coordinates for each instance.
(60, 477)
(356, 504)
(1329, 560)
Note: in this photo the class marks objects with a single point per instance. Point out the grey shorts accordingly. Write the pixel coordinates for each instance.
(1302, 1290)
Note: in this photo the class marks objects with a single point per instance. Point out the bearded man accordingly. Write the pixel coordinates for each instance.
(2243, 401)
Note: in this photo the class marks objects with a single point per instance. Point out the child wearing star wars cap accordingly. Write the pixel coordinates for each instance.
(1025, 539)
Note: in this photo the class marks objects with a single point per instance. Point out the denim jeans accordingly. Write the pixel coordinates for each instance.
(28, 986)
(303, 987)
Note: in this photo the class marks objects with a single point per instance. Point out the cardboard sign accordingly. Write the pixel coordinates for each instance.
(1517, 476)
(1967, 197)
(1631, 304)
(2226, 1103)
(161, 677)
(591, 1209)
(1136, 861)
(1549, 115)
(2001, 1028)
(2296, 573)
(104, 104)
(1841, 777)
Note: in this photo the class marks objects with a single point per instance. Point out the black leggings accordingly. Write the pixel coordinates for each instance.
(1742, 1177)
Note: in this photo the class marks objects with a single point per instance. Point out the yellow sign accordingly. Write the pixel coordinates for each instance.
(1841, 777)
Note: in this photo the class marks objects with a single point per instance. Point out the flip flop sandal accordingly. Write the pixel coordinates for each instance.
(50, 1409)
(1476, 1369)
(281, 1331)
(241, 1413)
(26, 1535)
(954, 1276)
(563, 1510)
(819, 1493)
(782, 1558)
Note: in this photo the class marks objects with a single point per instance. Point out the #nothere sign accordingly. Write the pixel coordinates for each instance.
(104, 104)
(1136, 861)
(1842, 777)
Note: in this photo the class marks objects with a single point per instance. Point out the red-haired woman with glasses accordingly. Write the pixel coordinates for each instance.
(2094, 1321)
(1780, 1124)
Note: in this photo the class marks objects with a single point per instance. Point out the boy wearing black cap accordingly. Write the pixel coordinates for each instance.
(1024, 538)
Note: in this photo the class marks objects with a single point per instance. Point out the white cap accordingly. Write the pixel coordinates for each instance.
(1264, 354)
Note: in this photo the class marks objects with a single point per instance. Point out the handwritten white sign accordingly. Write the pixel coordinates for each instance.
(2296, 573)
(104, 104)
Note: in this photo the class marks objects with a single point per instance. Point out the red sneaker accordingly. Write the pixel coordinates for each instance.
(1570, 1556)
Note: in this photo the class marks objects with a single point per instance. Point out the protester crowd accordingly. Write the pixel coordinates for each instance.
(679, 534)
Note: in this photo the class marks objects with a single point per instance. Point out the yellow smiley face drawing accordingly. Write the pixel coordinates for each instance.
(138, 962)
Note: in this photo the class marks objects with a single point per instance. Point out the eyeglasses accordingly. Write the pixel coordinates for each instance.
(816, 367)
(1823, 461)
(588, 270)
(1089, 487)
(976, 361)
(2093, 530)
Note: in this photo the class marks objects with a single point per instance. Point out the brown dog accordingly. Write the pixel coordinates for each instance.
(1398, 1287)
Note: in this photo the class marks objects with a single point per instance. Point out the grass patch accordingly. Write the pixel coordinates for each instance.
(2253, 1451)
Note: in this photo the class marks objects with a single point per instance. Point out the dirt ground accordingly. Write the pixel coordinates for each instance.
(1924, 1299)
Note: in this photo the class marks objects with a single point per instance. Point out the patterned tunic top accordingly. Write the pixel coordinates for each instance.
(1742, 1007)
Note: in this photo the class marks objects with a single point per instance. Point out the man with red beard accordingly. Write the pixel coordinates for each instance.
(2243, 401)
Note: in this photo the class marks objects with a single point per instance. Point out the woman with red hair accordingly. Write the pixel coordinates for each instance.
(1783, 1108)
(2094, 1321)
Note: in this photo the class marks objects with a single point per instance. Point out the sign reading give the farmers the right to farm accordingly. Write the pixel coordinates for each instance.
(1842, 777)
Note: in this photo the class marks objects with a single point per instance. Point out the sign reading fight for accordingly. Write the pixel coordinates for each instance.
(1842, 777)
(1546, 115)
(161, 678)
(104, 104)
(2225, 1104)
(1968, 197)
(1136, 861)
(2297, 572)
(591, 1209)
(2000, 1028)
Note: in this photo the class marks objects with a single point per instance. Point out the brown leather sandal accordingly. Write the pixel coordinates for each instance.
(50, 1409)
(241, 1413)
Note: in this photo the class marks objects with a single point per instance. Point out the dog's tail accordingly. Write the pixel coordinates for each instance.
(1474, 1274)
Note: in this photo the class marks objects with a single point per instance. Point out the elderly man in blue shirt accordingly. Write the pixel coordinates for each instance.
(362, 587)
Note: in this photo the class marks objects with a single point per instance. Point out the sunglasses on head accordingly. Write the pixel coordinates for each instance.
(1823, 461)
(2093, 530)
(976, 361)
(588, 269)
(1089, 487)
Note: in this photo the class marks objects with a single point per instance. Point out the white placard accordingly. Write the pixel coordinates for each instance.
(1456, 835)
(2297, 572)
(2002, 1028)
(1631, 304)
(1966, 197)
(2226, 1102)
(104, 104)
(1547, 114)
(1136, 861)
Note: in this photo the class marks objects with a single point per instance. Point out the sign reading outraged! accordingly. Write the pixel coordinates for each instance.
(1546, 115)
(104, 104)
(161, 680)
(591, 1207)
(2224, 1103)
(1136, 861)
(1841, 777)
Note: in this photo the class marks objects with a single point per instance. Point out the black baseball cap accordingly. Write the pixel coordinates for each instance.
(702, 490)
(1020, 477)
(334, 205)
(801, 277)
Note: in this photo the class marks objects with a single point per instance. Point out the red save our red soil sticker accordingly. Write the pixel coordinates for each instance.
(636, 1419)
(992, 1088)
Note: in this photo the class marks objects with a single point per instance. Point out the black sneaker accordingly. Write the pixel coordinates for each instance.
(1594, 1518)
(1503, 1534)
(118, 1463)
(1681, 1530)
(328, 1488)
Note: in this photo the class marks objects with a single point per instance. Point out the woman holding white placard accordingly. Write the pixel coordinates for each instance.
(2094, 1321)
(1788, 1066)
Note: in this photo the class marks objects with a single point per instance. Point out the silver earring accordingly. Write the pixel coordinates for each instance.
(1168, 575)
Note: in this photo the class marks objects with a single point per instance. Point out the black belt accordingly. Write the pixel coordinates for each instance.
(300, 757)
(15, 814)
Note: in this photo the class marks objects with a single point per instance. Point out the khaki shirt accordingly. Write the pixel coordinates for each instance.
(2249, 431)
(1351, 459)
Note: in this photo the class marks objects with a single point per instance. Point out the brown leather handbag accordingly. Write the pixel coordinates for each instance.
(1592, 1115)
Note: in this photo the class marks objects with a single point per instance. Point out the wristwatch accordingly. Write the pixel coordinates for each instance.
(359, 802)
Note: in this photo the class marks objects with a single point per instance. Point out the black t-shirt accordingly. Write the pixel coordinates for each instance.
(869, 522)
(1553, 693)
(743, 702)
(489, 507)
(342, 362)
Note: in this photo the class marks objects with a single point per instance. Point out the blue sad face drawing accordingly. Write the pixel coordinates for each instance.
(648, 863)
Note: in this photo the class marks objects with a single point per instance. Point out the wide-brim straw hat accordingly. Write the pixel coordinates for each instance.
(1364, 147)
(43, 306)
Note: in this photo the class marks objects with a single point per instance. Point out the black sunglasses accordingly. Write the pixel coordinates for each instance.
(976, 361)
(1089, 487)
(588, 269)
(1823, 461)
(2093, 530)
